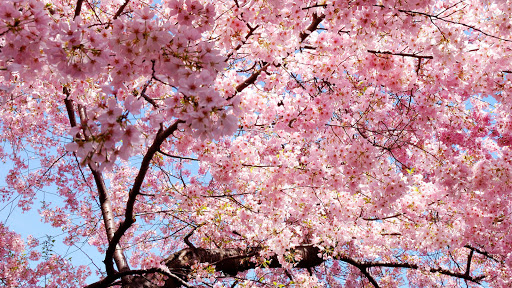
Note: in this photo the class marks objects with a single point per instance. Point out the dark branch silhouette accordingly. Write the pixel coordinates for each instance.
(401, 54)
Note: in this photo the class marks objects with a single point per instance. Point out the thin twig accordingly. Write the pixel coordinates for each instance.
(431, 17)
(177, 157)
(401, 54)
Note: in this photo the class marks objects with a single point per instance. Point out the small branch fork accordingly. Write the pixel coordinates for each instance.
(146, 97)
(249, 34)
(312, 27)
(481, 252)
(303, 35)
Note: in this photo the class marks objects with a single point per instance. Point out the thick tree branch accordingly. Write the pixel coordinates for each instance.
(78, 8)
(234, 260)
(312, 27)
(129, 217)
(139, 281)
(468, 263)
(121, 9)
(187, 239)
(105, 204)
(69, 107)
(251, 78)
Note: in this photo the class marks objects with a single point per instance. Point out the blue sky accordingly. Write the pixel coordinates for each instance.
(28, 223)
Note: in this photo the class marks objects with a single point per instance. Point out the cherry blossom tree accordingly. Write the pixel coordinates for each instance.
(260, 143)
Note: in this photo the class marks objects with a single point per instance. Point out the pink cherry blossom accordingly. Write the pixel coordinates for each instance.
(259, 143)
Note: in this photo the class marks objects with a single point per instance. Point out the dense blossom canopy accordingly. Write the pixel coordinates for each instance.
(260, 143)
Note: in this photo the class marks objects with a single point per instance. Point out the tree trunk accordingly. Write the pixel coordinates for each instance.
(232, 260)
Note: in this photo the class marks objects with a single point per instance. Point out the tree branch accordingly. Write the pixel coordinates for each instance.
(369, 277)
(312, 27)
(249, 34)
(468, 264)
(139, 281)
(129, 217)
(484, 253)
(146, 97)
(413, 266)
(383, 218)
(69, 107)
(121, 9)
(401, 54)
(177, 157)
(78, 8)
(251, 79)
(105, 204)
(233, 260)
(187, 239)
(303, 35)
(363, 268)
